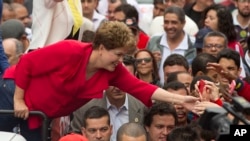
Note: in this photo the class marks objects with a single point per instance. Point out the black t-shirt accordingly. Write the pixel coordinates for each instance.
(194, 15)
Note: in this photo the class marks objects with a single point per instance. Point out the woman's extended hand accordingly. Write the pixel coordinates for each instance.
(189, 102)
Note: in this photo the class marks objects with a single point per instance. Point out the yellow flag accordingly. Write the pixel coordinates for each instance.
(77, 16)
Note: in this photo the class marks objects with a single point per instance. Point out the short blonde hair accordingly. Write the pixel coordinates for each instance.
(114, 34)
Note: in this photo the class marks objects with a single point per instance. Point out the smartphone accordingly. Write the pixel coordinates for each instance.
(201, 88)
(201, 85)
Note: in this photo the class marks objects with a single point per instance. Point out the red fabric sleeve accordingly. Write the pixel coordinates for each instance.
(218, 102)
(234, 44)
(243, 90)
(127, 82)
(10, 72)
(48, 59)
(143, 40)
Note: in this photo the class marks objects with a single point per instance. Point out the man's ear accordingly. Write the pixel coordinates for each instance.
(111, 128)
(239, 71)
(147, 128)
(101, 47)
(25, 42)
(83, 130)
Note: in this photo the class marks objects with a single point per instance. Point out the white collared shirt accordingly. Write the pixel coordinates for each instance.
(182, 47)
(118, 116)
(97, 19)
(236, 22)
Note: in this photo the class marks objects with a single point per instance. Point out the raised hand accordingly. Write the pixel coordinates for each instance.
(217, 67)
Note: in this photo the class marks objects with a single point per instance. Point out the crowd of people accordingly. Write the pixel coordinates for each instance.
(101, 70)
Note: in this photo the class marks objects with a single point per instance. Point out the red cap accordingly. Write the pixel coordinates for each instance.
(73, 137)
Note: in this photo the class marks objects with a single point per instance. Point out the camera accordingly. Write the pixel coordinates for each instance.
(219, 120)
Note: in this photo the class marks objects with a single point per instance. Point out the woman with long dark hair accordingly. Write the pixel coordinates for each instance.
(146, 67)
(218, 18)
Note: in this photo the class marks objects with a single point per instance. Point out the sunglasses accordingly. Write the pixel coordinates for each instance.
(146, 60)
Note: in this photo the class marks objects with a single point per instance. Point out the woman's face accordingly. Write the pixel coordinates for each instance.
(111, 58)
(211, 20)
(144, 63)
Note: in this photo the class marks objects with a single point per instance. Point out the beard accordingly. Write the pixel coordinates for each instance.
(244, 15)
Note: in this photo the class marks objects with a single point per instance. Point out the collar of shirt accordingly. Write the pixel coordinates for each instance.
(183, 44)
(236, 22)
(97, 16)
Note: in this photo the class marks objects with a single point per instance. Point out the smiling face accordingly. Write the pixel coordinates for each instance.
(144, 63)
(173, 26)
(109, 59)
(180, 110)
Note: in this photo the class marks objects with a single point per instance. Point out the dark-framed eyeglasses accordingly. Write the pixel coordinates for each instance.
(146, 60)
(214, 45)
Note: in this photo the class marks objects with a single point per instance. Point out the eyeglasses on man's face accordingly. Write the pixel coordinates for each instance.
(146, 60)
(218, 46)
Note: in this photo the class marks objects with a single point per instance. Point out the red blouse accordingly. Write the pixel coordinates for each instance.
(54, 82)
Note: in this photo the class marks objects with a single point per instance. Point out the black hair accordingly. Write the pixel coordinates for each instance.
(200, 63)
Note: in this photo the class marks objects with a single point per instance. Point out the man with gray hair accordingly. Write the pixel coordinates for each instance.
(214, 42)
(131, 132)
(173, 41)
(13, 49)
(211, 42)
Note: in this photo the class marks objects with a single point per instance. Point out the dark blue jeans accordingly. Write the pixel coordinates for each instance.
(8, 122)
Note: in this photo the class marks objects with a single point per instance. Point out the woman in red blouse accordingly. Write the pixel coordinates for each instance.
(62, 77)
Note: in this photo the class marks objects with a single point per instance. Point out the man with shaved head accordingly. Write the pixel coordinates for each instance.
(131, 132)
